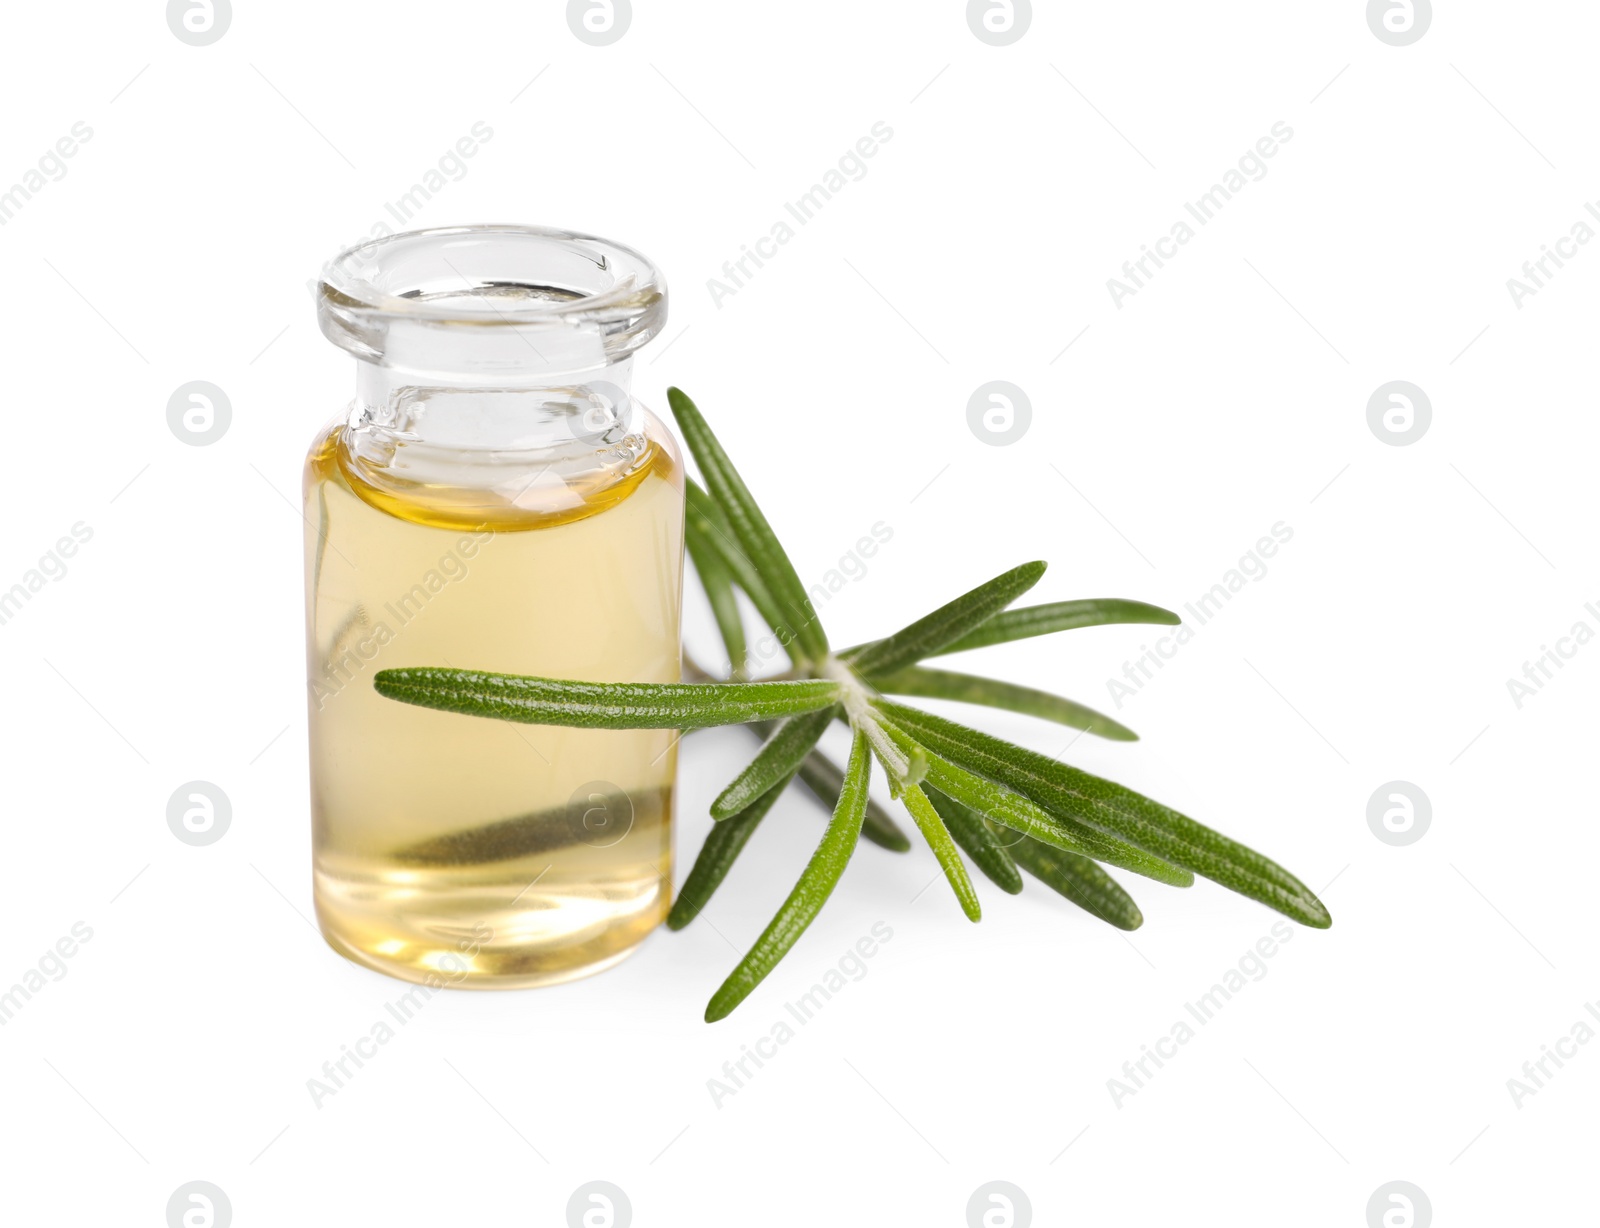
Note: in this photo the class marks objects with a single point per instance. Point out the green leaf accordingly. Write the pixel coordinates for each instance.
(723, 844)
(1079, 880)
(944, 849)
(1112, 809)
(1018, 813)
(750, 527)
(968, 828)
(1059, 616)
(711, 526)
(779, 758)
(719, 851)
(945, 625)
(816, 884)
(717, 580)
(993, 693)
(603, 705)
(824, 778)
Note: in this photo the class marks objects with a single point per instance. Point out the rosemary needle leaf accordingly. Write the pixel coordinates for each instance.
(717, 580)
(993, 693)
(779, 758)
(945, 625)
(944, 849)
(1018, 813)
(972, 833)
(603, 705)
(710, 525)
(816, 884)
(750, 527)
(1074, 794)
(1079, 880)
(1059, 616)
(824, 778)
(724, 842)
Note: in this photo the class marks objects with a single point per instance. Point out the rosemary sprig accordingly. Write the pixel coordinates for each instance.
(1007, 808)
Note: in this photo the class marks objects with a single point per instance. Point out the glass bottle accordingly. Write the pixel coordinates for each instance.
(493, 499)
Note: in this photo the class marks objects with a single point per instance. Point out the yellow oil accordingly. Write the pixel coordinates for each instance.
(471, 852)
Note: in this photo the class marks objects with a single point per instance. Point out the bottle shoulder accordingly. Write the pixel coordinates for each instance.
(502, 491)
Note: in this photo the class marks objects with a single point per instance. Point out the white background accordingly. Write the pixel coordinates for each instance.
(1226, 396)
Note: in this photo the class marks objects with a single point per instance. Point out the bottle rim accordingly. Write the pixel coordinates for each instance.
(481, 285)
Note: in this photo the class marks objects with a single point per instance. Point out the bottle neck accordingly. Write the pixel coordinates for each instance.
(473, 452)
(519, 411)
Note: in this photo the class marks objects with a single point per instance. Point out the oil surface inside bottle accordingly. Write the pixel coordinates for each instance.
(474, 852)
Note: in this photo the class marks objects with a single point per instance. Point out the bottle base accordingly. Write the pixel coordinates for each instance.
(486, 938)
(422, 973)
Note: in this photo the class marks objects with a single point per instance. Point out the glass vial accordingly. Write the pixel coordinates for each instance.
(493, 498)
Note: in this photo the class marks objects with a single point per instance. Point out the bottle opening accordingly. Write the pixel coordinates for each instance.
(508, 302)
